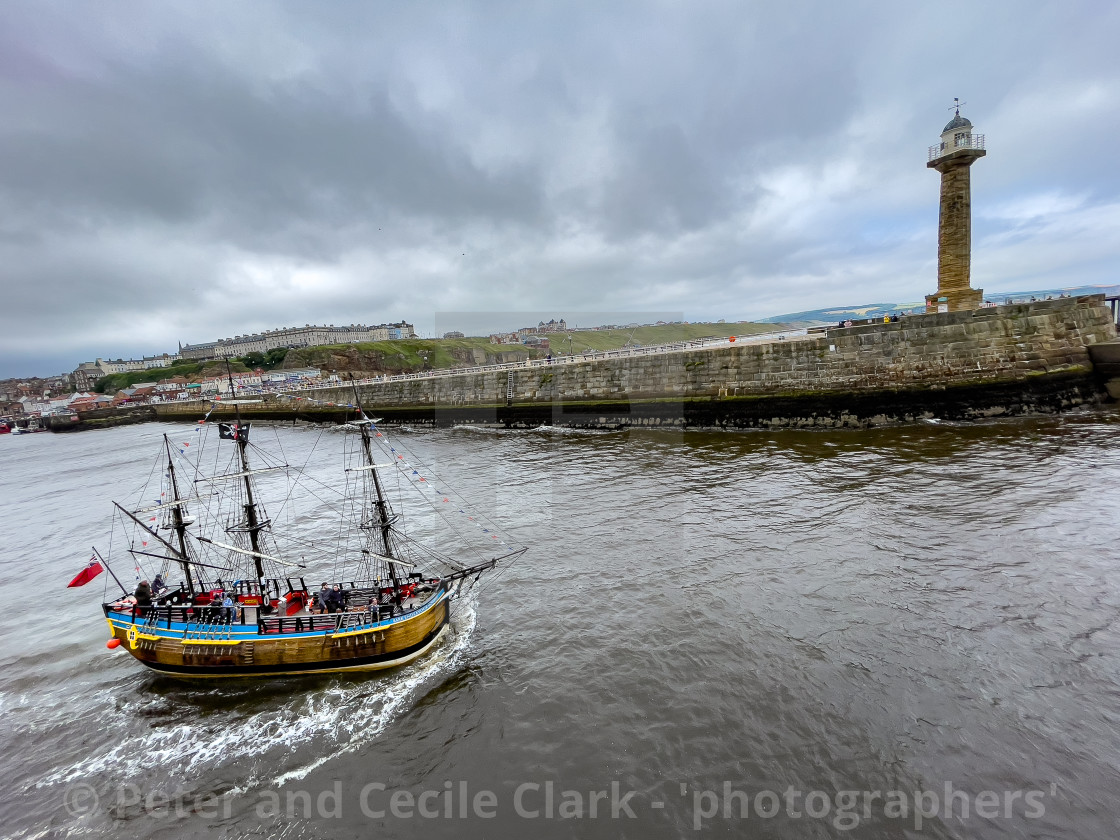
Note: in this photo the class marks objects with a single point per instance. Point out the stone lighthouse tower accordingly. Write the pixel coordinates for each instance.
(953, 157)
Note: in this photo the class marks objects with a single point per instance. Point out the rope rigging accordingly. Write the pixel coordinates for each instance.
(221, 536)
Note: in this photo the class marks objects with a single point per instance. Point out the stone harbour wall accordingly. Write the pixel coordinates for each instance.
(1009, 359)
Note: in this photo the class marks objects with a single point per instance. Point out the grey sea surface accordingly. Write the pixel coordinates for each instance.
(905, 632)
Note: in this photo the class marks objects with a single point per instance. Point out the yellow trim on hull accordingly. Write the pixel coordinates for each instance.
(134, 636)
(359, 632)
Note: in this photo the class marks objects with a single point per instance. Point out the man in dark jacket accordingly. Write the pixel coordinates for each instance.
(143, 597)
(143, 594)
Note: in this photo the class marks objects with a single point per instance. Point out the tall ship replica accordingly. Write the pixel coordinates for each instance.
(241, 609)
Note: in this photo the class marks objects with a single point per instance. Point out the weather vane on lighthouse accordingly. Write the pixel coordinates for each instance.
(956, 106)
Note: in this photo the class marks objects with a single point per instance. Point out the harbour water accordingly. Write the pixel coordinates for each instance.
(898, 632)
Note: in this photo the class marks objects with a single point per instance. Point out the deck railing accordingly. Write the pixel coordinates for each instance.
(363, 610)
(968, 141)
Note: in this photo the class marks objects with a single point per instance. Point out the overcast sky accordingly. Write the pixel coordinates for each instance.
(190, 171)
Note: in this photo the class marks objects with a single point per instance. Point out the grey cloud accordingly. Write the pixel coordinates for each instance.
(191, 166)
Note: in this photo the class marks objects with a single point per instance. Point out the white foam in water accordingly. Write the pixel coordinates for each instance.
(467, 427)
(399, 692)
(568, 430)
(360, 710)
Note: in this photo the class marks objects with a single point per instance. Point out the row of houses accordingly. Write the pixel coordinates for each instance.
(306, 336)
(165, 390)
(85, 376)
(180, 388)
(44, 406)
(12, 390)
(531, 336)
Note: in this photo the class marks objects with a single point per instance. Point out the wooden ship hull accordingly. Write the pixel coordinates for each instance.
(184, 642)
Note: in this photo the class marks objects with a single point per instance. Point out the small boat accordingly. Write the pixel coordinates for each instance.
(243, 609)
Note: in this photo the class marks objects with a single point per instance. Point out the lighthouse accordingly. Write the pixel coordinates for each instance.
(953, 158)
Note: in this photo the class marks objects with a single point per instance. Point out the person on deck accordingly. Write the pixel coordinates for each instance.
(143, 594)
(229, 607)
(142, 597)
(324, 598)
(158, 586)
(334, 599)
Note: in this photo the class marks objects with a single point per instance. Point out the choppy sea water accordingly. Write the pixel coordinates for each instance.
(898, 632)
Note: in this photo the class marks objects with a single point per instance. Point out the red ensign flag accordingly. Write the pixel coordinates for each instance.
(87, 574)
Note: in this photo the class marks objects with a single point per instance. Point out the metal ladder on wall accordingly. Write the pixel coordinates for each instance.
(509, 387)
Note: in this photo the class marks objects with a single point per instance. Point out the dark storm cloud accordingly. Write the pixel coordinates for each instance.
(190, 171)
(181, 145)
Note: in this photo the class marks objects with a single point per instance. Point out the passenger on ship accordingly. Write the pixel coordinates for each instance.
(158, 586)
(142, 597)
(334, 599)
(229, 608)
(324, 598)
(143, 594)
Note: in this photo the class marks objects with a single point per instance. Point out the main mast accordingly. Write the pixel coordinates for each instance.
(253, 525)
(383, 513)
(178, 522)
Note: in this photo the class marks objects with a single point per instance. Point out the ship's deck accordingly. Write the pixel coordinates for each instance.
(205, 622)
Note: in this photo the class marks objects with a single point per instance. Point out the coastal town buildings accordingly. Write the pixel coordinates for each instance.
(85, 376)
(34, 389)
(531, 335)
(552, 326)
(305, 336)
(108, 366)
(45, 406)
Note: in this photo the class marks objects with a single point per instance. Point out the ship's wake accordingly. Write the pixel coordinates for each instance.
(259, 734)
